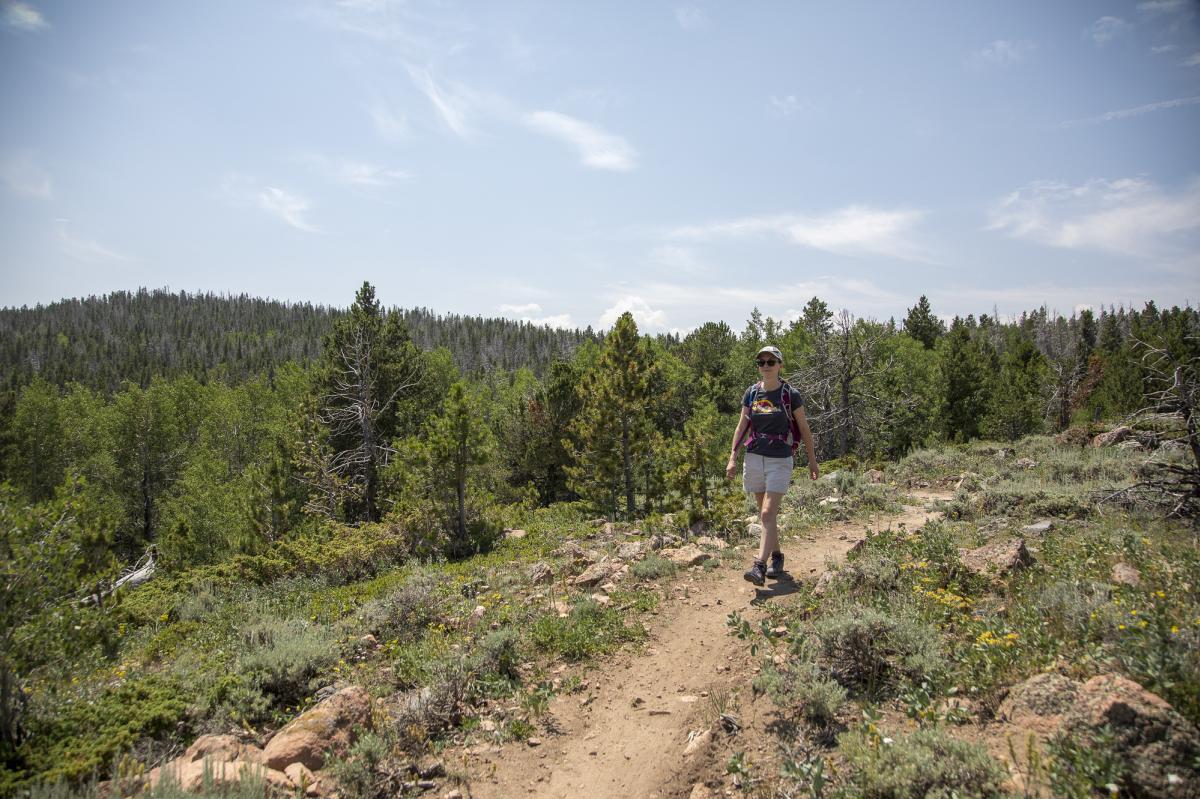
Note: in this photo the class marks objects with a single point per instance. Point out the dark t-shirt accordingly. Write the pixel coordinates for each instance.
(767, 415)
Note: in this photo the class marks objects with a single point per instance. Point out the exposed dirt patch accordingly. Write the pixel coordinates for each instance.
(625, 736)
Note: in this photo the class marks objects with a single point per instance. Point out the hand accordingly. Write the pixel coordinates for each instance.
(814, 472)
(731, 467)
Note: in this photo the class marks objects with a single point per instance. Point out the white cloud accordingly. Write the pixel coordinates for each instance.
(23, 16)
(852, 230)
(21, 175)
(1003, 53)
(1162, 6)
(86, 250)
(784, 106)
(1131, 216)
(648, 319)
(1159, 49)
(285, 205)
(1191, 61)
(598, 149)
(527, 308)
(355, 173)
(562, 320)
(679, 259)
(1126, 113)
(388, 124)
(1105, 29)
(452, 104)
(691, 18)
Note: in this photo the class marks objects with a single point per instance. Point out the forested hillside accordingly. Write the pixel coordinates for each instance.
(239, 442)
(101, 341)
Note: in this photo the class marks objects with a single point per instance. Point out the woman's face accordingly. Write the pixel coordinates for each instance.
(767, 364)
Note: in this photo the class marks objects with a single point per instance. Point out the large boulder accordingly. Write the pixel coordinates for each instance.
(1158, 746)
(998, 557)
(690, 555)
(597, 573)
(190, 774)
(1042, 696)
(540, 573)
(631, 550)
(1124, 574)
(331, 726)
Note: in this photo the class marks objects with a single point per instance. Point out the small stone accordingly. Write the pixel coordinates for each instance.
(697, 742)
(514, 534)
(1124, 574)
(1025, 463)
(534, 742)
(1040, 527)
(999, 557)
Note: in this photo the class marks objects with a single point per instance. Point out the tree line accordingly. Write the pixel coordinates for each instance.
(101, 342)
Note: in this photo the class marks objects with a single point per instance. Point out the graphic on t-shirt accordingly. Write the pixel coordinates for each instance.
(763, 405)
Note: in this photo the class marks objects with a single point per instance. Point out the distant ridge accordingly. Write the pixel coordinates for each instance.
(102, 341)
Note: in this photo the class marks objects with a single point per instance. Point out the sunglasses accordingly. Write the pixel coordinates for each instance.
(767, 362)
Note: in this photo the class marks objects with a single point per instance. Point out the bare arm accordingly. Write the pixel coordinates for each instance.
(738, 435)
(814, 471)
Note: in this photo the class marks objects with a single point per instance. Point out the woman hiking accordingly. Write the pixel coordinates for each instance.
(770, 448)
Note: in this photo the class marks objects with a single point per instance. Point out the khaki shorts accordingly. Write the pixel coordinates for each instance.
(772, 475)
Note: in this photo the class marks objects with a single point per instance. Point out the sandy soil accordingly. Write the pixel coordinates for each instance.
(625, 735)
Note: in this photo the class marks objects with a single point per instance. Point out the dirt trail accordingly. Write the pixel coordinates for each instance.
(625, 735)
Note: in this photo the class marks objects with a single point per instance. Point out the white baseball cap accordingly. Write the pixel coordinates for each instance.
(769, 350)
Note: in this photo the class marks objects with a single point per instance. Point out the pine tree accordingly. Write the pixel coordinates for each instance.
(459, 443)
(922, 325)
(966, 371)
(370, 364)
(1015, 405)
(608, 433)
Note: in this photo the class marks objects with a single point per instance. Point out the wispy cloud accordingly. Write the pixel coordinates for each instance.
(452, 103)
(1003, 53)
(1191, 61)
(1126, 113)
(389, 124)
(650, 320)
(683, 260)
(21, 175)
(1105, 29)
(598, 149)
(1159, 49)
(287, 206)
(527, 308)
(1162, 6)
(83, 249)
(355, 173)
(853, 230)
(284, 205)
(23, 17)
(1131, 216)
(784, 106)
(691, 18)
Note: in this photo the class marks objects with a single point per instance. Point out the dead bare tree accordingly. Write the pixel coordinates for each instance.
(352, 408)
(1173, 381)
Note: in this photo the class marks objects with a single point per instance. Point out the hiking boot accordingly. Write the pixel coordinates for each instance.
(757, 573)
(775, 570)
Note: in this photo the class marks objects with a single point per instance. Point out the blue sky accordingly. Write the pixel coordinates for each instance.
(566, 161)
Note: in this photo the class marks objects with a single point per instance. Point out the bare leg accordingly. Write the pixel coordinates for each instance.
(768, 514)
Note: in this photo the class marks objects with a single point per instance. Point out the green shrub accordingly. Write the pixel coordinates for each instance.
(869, 650)
(653, 567)
(404, 614)
(928, 764)
(358, 772)
(284, 655)
(589, 629)
(802, 691)
(498, 654)
(1082, 769)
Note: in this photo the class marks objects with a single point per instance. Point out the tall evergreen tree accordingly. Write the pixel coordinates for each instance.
(922, 325)
(370, 364)
(966, 373)
(460, 442)
(608, 433)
